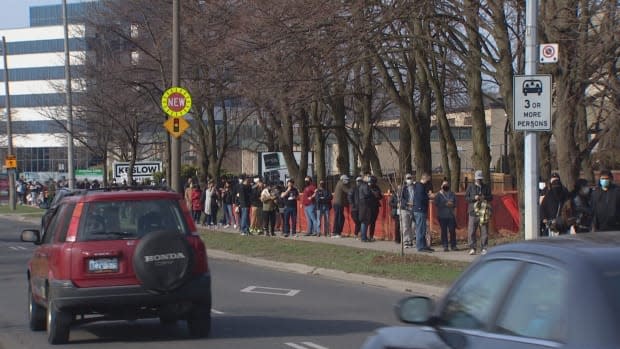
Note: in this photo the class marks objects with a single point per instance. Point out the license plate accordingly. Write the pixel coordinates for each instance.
(103, 265)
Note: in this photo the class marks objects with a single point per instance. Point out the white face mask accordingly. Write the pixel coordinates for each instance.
(541, 185)
(409, 181)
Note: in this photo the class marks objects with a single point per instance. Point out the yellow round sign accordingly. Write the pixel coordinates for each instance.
(176, 102)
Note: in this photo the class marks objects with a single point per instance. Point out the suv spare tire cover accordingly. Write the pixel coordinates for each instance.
(163, 261)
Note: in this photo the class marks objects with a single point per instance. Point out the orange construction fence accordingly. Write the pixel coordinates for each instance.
(505, 217)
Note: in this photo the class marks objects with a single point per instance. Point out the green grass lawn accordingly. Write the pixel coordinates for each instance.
(417, 268)
(22, 210)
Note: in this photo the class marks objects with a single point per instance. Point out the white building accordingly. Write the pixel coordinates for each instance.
(36, 64)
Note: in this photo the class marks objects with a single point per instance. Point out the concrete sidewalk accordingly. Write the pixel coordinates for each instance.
(379, 245)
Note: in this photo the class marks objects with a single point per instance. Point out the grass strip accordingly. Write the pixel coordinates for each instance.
(411, 267)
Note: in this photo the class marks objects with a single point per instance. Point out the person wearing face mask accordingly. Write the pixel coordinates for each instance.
(406, 211)
(605, 204)
(551, 205)
(445, 201)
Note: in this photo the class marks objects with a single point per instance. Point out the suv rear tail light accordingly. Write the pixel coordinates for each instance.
(74, 223)
(201, 264)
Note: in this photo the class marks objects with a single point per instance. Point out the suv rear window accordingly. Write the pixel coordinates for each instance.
(130, 219)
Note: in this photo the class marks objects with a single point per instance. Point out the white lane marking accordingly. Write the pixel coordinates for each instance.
(216, 312)
(305, 345)
(17, 248)
(271, 290)
(314, 345)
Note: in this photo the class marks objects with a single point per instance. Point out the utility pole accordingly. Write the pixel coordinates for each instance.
(69, 101)
(9, 129)
(531, 138)
(175, 142)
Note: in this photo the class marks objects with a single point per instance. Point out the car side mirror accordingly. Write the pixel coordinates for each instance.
(415, 310)
(31, 235)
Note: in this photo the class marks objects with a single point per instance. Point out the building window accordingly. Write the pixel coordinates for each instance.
(42, 73)
(40, 100)
(44, 46)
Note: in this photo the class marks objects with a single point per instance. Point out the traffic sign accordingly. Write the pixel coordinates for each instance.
(176, 102)
(532, 102)
(10, 161)
(176, 126)
(548, 53)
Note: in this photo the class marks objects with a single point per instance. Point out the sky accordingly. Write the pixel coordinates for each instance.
(16, 13)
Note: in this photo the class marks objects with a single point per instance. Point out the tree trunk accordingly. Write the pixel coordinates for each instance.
(481, 157)
(336, 102)
(404, 148)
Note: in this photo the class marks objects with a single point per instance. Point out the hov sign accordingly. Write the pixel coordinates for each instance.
(176, 102)
(532, 102)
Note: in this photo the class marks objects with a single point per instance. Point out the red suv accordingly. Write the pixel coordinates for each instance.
(109, 255)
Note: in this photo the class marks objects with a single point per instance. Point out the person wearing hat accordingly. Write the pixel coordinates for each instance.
(406, 211)
(339, 202)
(606, 204)
(478, 196)
(551, 206)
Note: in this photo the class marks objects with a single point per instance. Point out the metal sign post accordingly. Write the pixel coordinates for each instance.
(530, 172)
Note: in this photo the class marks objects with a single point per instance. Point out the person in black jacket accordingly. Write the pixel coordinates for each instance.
(244, 197)
(551, 206)
(606, 204)
(353, 198)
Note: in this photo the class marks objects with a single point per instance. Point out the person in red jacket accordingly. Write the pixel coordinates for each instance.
(196, 203)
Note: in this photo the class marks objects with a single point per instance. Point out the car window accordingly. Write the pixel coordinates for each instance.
(63, 224)
(129, 219)
(471, 304)
(535, 306)
(59, 220)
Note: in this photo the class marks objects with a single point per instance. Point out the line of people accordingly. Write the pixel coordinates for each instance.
(584, 209)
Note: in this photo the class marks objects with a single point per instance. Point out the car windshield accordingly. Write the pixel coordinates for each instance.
(130, 219)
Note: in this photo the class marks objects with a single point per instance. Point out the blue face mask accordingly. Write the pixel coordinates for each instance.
(604, 183)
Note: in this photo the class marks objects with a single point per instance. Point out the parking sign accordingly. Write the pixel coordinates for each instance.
(532, 102)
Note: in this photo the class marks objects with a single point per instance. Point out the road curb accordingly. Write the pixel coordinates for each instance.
(391, 284)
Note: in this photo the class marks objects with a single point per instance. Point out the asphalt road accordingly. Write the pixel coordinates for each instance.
(253, 307)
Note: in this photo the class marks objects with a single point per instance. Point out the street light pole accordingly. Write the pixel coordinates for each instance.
(9, 129)
(69, 101)
(175, 142)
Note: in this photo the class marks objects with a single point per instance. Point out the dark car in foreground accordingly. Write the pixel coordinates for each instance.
(122, 254)
(561, 292)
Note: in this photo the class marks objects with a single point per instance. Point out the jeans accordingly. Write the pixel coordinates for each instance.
(290, 221)
(363, 230)
(448, 225)
(244, 225)
(311, 222)
(338, 219)
(228, 214)
(420, 230)
(323, 219)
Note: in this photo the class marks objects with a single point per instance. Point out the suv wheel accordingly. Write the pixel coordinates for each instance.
(199, 320)
(58, 324)
(36, 313)
(163, 261)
